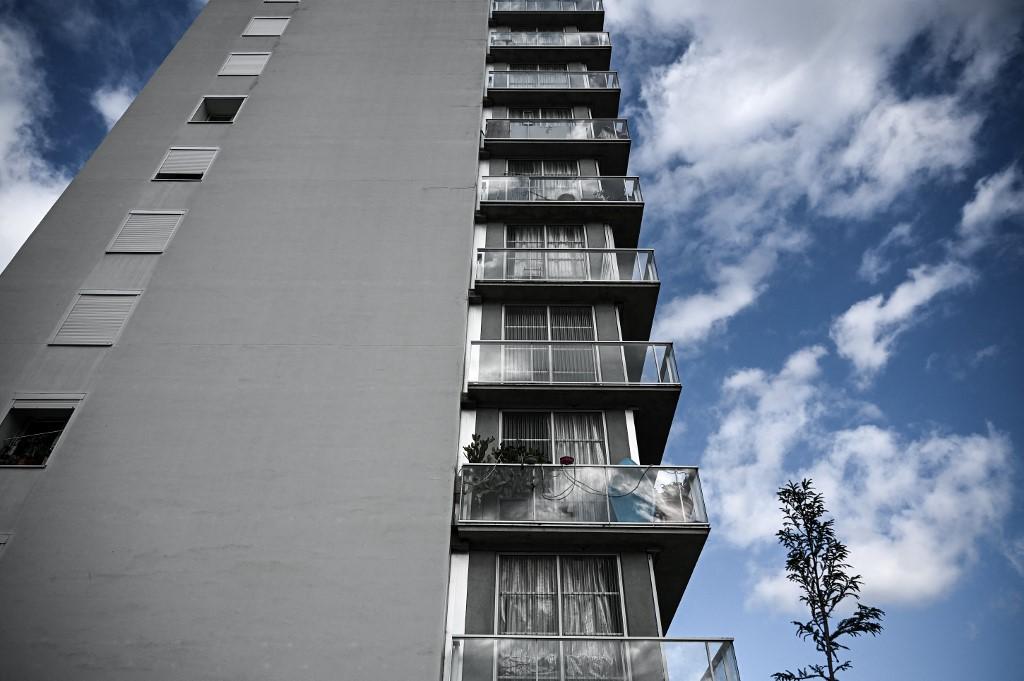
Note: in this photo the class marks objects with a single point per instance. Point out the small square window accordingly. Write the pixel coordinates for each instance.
(217, 109)
(266, 26)
(30, 431)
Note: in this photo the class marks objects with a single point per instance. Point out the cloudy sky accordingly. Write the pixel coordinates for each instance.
(836, 193)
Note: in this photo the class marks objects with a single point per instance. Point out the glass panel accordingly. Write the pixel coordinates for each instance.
(532, 429)
(581, 436)
(594, 660)
(527, 595)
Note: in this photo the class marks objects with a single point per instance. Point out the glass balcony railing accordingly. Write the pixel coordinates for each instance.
(518, 658)
(547, 5)
(566, 265)
(549, 39)
(517, 188)
(580, 495)
(636, 363)
(556, 129)
(556, 80)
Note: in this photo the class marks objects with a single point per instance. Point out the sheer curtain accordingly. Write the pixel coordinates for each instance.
(581, 436)
(528, 265)
(527, 595)
(526, 362)
(591, 603)
(573, 363)
(566, 265)
(532, 429)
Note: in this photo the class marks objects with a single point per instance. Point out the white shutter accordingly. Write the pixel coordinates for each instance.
(266, 26)
(186, 163)
(96, 318)
(244, 64)
(146, 232)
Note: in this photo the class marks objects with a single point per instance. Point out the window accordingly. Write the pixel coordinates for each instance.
(96, 318)
(559, 595)
(217, 109)
(30, 430)
(578, 434)
(539, 264)
(557, 362)
(186, 163)
(560, 113)
(266, 26)
(146, 231)
(544, 168)
(244, 64)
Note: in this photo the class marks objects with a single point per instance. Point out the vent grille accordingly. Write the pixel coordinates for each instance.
(96, 318)
(244, 64)
(186, 163)
(146, 232)
(266, 26)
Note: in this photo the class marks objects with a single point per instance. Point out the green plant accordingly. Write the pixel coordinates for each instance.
(479, 451)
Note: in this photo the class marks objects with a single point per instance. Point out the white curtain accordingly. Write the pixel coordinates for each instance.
(575, 362)
(526, 361)
(532, 429)
(581, 436)
(528, 265)
(527, 595)
(566, 265)
(591, 602)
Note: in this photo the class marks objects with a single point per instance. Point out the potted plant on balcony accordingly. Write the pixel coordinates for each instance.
(498, 483)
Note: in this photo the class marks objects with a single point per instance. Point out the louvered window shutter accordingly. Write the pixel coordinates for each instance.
(266, 26)
(146, 232)
(96, 318)
(244, 64)
(186, 163)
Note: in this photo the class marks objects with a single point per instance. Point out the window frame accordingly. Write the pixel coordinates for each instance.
(552, 443)
(156, 173)
(547, 314)
(72, 401)
(202, 101)
(135, 293)
(243, 75)
(124, 223)
(248, 26)
(558, 599)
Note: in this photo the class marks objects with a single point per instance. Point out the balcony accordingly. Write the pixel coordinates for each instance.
(587, 15)
(604, 139)
(588, 275)
(552, 658)
(552, 506)
(593, 48)
(577, 375)
(608, 199)
(597, 89)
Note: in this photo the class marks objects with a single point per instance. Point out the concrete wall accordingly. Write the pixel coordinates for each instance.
(272, 438)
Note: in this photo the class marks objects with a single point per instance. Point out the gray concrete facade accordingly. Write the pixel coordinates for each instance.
(258, 482)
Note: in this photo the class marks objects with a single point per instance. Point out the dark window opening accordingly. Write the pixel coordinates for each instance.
(217, 110)
(27, 436)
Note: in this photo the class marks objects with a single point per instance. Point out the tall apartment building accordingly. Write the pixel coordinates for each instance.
(331, 244)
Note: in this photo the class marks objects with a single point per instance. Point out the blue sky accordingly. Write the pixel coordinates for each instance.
(836, 193)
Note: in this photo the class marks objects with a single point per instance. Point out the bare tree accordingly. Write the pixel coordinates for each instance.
(816, 562)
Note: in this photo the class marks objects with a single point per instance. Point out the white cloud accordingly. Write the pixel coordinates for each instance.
(790, 104)
(112, 101)
(691, 319)
(865, 333)
(898, 502)
(763, 416)
(875, 261)
(28, 184)
(997, 198)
